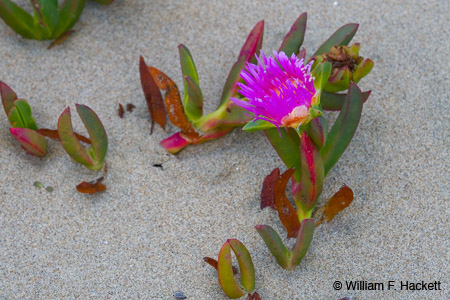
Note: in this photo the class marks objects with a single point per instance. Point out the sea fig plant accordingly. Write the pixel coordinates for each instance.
(50, 20)
(286, 98)
(226, 271)
(24, 128)
(187, 114)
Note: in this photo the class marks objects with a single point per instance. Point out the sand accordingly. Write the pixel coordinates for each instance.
(145, 237)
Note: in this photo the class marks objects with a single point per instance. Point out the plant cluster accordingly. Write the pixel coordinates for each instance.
(25, 131)
(284, 95)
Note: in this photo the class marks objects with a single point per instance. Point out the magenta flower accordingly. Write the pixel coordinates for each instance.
(278, 89)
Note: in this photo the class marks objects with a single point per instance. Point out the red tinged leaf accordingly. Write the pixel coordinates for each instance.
(173, 101)
(61, 39)
(121, 111)
(337, 203)
(91, 187)
(255, 296)
(152, 95)
(130, 107)
(53, 134)
(213, 263)
(286, 211)
(267, 192)
(8, 97)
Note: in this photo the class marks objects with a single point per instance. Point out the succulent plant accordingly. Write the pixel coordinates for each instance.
(23, 125)
(49, 21)
(94, 156)
(187, 114)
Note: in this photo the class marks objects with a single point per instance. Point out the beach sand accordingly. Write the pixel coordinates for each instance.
(145, 237)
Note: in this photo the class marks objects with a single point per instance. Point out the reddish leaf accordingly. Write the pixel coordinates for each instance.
(286, 211)
(53, 134)
(173, 101)
(213, 263)
(337, 203)
(255, 296)
(152, 95)
(267, 192)
(121, 111)
(130, 107)
(61, 39)
(92, 187)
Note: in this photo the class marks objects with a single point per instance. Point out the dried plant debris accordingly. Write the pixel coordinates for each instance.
(255, 296)
(130, 107)
(121, 111)
(91, 187)
(61, 39)
(267, 192)
(53, 134)
(336, 204)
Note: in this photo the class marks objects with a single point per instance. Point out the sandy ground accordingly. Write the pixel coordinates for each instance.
(144, 238)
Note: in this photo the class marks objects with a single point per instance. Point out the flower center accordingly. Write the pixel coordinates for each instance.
(296, 117)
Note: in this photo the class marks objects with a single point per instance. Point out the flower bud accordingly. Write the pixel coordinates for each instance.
(347, 66)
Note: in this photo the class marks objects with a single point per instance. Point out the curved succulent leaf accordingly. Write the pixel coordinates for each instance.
(69, 13)
(30, 140)
(341, 37)
(20, 115)
(46, 17)
(251, 47)
(225, 272)
(318, 131)
(18, 19)
(287, 147)
(343, 129)
(8, 96)
(294, 39)
(247, 270)
(258, 125)
(301, 246)
(274, 244)
(334, 101)
(193, 99)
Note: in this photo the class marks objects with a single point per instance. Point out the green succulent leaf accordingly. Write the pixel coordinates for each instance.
(256, 125)
(341, 37)
(194, 102)
(251, 47)
(274, 244)
(20, 115)
(321, 74)
(294, 39)
(18, 19)
(225, 273)
(286, 143)
(301, 246)
(46, 17)
(334, 101)
(343, 129)
(30, 140)
(69, 13)
(247, 270)
(96, 131)
(193, 99)
(318, 131)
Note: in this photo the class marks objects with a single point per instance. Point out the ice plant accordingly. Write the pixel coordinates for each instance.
(187, 113)
(24, 128)
(284, 97)
(49, 20)
(226, 270)
(94, 156)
